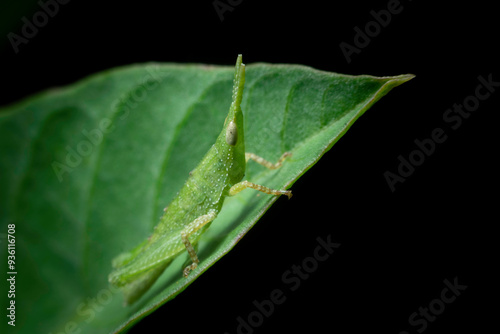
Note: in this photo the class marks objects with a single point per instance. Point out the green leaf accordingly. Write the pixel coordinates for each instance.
(86, 171)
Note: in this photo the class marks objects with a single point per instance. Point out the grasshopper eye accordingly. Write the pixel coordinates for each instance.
(231, 134)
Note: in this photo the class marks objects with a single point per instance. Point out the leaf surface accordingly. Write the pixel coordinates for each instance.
(86, 171)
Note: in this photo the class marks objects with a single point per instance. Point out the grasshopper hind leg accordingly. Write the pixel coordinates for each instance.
(194, 226)
(134, 290)
(126, 257)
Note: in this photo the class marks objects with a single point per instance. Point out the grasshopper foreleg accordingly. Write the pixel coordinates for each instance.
(245, 184)
(266, 163)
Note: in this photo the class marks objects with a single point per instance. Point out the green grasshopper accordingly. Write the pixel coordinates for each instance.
(197, 204)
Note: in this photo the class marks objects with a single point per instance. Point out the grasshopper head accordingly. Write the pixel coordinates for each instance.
(233, 133)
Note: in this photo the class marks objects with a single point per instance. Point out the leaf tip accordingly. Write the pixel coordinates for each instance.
(400, 79)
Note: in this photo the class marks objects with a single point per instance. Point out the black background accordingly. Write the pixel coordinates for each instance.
(397, 247)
